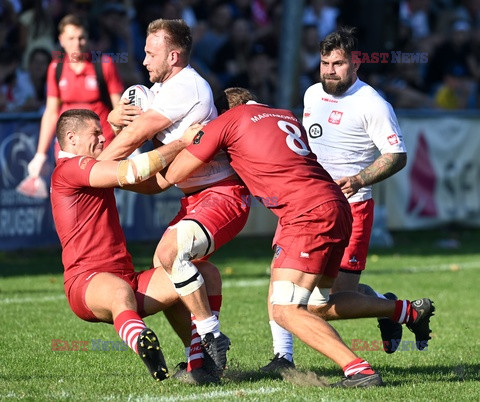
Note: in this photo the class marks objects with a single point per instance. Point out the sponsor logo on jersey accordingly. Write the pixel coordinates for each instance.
(278, 250)
(198, 137)
(82, 163)
(315, 131)
(335, 117)
(329, 100)
(392, 139)
(306, 113)
(303, 254)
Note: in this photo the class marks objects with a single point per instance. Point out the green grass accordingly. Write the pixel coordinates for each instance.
(35, 311)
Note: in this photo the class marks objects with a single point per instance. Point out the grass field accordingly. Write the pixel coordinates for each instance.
(35, 311)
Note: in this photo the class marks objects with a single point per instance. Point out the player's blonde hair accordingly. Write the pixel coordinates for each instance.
(238, 96)
(178, 35)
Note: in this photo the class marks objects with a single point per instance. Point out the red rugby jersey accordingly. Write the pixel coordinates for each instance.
(268, 149)
(87, 221)
(81, 91)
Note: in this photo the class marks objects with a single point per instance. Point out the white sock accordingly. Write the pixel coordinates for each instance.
(208, 325)
(379, 295)
(282, 341)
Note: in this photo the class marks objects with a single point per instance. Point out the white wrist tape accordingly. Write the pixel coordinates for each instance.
(140, 167)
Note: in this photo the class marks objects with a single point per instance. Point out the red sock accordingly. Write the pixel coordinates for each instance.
(128, 325)
(215, 302)
(357, 366)
(195, 357)
(404, 313)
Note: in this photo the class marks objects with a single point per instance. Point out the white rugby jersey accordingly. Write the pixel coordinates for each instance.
(186, 98)
(346, 131)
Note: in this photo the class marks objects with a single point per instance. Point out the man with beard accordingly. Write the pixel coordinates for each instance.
(347, 122)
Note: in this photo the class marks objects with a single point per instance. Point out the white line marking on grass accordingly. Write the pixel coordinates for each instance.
(11, 300)
(205, 396)
(245, 283)
(451, 266)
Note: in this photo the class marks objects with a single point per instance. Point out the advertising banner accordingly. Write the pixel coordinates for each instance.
(441, 183)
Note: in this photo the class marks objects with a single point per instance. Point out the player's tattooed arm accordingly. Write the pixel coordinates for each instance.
(383, 167)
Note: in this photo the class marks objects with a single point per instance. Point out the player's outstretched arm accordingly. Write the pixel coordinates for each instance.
(185, 163)
(127, 172)
(131, 137)
(158, 183)
(130, 172)
(182, 167)
(154, 185)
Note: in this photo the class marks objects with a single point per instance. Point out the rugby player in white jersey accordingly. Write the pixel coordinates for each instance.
(212, 211)
(348, 123)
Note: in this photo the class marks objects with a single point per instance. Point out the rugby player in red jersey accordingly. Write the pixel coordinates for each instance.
(99, 278)
(269, 150)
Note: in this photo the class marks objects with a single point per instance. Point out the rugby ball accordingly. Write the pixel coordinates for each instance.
(139, 95)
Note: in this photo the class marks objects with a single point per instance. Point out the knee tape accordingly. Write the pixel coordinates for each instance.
(192, 242)
(286, 292)
(185, 277)
(319, 297)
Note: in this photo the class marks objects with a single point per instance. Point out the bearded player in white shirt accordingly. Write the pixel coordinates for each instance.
(347, 123)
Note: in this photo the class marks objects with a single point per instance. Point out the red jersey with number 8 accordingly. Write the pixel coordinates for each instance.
(268, 148)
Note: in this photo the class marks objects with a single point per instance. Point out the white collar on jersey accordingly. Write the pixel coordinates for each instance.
(63, 154)
(252, 102)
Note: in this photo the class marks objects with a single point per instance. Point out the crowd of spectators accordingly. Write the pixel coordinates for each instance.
(433, 46)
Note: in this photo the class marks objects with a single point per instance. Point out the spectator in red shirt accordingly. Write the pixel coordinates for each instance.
(77, 87)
